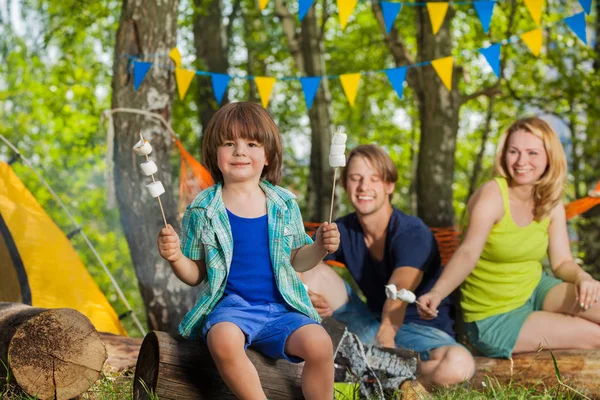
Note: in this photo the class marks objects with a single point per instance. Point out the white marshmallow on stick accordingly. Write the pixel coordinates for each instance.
(156, 188)
(337, 159)
(391, 292)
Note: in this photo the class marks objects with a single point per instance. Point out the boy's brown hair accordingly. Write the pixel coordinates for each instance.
(247, 121)
(378, 158)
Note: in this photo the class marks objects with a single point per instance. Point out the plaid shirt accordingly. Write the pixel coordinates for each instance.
(206, 235)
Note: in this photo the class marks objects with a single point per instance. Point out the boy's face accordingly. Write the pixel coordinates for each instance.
(241, 160)
(366, 190)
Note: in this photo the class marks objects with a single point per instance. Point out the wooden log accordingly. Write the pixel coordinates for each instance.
(122, 351)
(51, 353)
(579, 369)
(174, 368)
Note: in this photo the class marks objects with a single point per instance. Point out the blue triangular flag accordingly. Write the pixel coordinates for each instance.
(492, 55)
(303, 7)
(390, 12)
(577, 24)
(587, 5)
(219, 85)
(140, 69)
(310, 85)
(396, 77)
(485, 9)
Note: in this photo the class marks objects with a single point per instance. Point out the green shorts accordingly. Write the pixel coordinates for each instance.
(497, 335)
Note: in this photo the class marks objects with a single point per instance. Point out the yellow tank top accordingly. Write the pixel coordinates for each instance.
(509, 268)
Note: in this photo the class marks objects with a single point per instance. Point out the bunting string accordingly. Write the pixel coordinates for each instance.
(350, 82)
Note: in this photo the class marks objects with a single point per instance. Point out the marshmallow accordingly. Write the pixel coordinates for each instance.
(337, 161)
(337, 150)
(142, 148)
(149, 167)
(406, 295)
(390, 291)
(339, 138)
(156, 188)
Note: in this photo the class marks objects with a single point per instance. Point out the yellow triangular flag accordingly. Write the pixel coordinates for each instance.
(265, 86)
(535, 9)
(184, 79)
(350, 84)
(262, 4)
(175, 56)
(533, 40)
(345, 9)
(437, 13)
(443, 67)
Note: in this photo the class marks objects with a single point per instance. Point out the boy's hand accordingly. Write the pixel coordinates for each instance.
(168, 244)
(328, 237)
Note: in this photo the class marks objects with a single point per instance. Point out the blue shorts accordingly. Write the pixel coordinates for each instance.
(364, 323)
(266, 326)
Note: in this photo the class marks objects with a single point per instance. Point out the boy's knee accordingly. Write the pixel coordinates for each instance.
(320, 349)
(225, 341)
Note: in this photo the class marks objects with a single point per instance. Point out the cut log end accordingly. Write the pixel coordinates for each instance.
(56, 354)
(146, 369)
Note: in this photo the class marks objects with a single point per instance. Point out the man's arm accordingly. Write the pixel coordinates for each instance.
(392, 316)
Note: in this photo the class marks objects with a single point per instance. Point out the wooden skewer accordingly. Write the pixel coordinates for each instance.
(158, 197)
(340, 130)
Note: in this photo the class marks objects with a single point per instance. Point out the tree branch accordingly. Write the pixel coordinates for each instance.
(289, 29)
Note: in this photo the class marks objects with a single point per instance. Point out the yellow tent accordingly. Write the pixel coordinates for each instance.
(38, 264)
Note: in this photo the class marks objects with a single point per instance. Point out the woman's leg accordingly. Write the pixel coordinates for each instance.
(226, 343)
(313, 345)
(562, 323)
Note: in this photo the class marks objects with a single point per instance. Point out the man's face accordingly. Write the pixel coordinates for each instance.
(367, 191)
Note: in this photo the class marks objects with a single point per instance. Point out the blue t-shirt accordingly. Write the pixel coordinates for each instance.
(251, 275)
(408, 243)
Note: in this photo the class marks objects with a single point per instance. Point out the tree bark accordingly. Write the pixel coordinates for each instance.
(211, 41)
(122, 351)
(578, 368)
(51, 353)
(308, 51)
(147, 29)
(173, 368)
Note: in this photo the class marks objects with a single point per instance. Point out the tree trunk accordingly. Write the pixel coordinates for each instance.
(147, 28)
(308, 52)
(578, 368)
(183, 369)
(51, 353)
(211, 44)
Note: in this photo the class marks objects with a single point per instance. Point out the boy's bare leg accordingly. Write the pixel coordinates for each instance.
(313, 345)
(226, 344)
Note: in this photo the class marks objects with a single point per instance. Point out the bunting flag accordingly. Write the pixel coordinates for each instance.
(219, 85)
(533, 40)
(345, 9)
(396, 77)
(587, 6)
(140, 69)
(310, 85)
(390, 12)
(184, 79)
(265, 87)
(535, 9)
(175, 56)
(262, 4)
(485, 9)
(350, 84)
(577, 24)
(443, 67)
(492, 56)
(437, 13)
(303, 7)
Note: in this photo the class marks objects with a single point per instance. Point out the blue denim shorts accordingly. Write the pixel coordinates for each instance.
(364, 323)
(266, 326)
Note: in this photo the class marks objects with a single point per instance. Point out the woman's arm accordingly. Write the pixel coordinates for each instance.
(562, 263)
(486, 208)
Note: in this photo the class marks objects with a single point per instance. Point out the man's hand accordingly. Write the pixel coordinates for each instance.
(168, 244)
(328, 237)
(320, 304)
(385, 336)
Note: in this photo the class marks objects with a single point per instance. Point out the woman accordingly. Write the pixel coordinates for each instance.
(510, 305)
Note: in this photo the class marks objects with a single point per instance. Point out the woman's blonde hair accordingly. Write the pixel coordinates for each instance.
(247, 121)
(549, 189)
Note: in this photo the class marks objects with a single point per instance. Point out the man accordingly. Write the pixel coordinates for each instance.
(381, 245)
